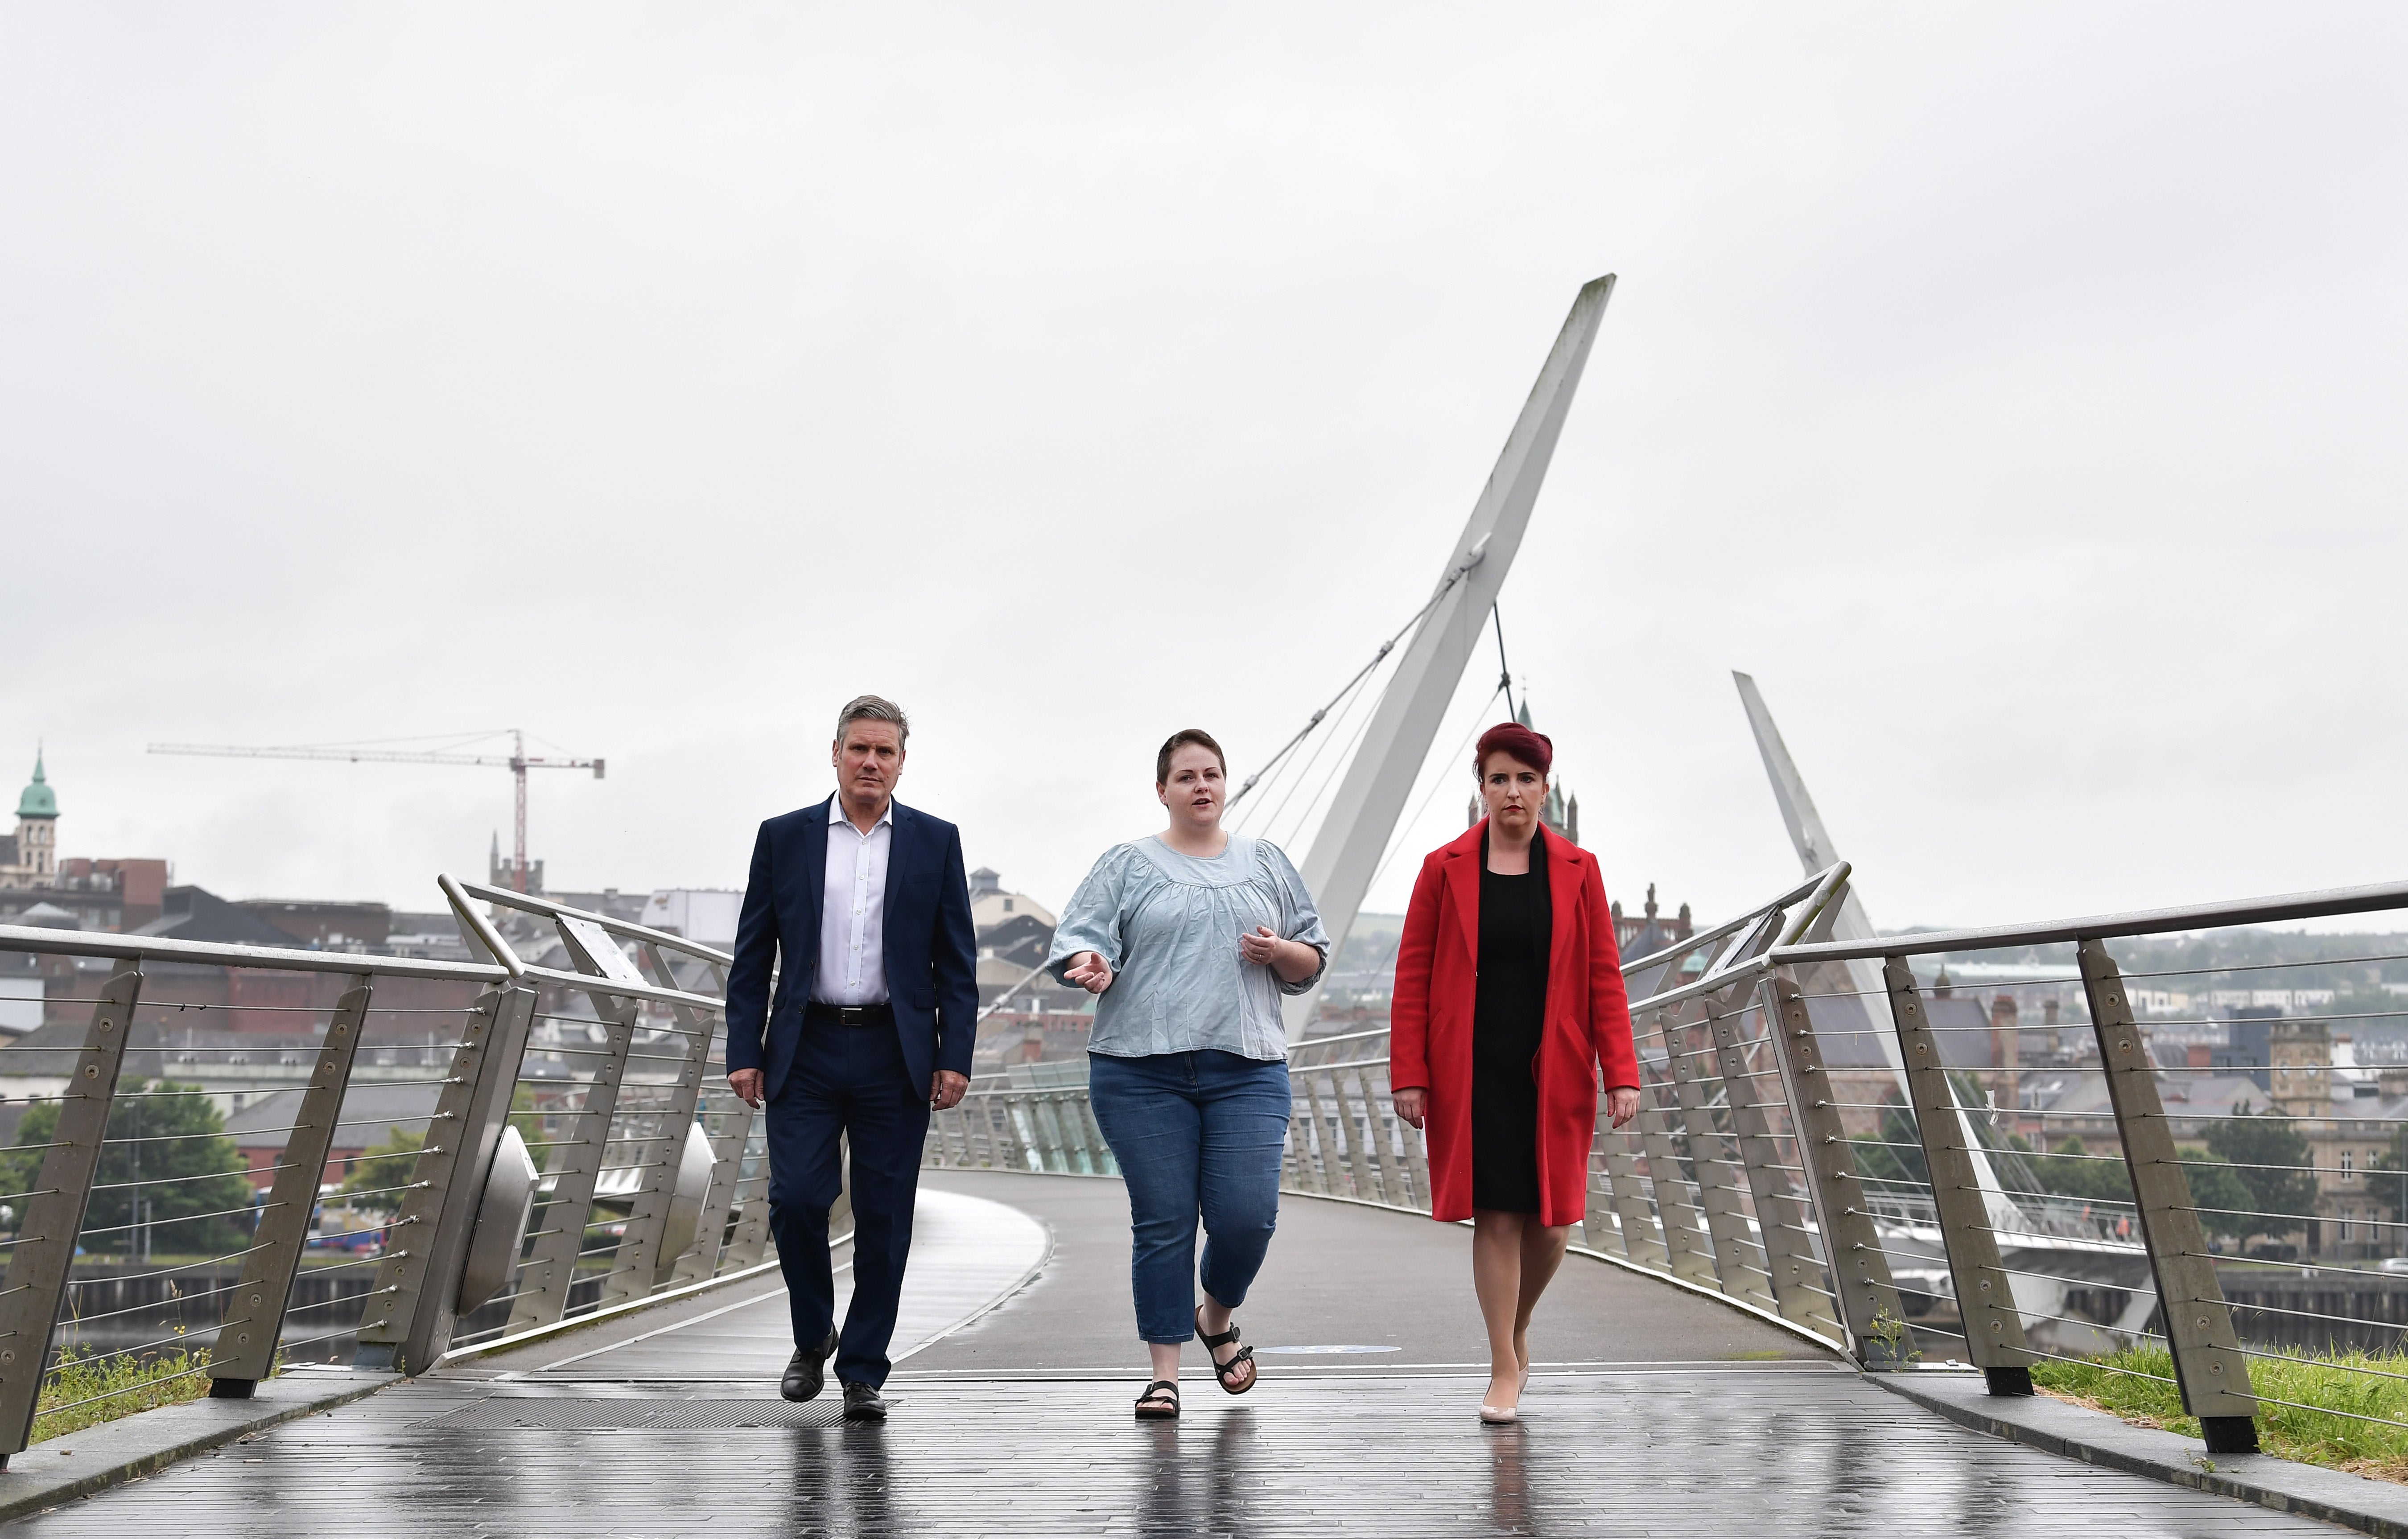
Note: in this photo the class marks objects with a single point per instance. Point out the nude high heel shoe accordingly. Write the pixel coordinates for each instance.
(1502, 1416)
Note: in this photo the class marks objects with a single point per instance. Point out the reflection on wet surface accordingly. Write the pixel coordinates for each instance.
(1719, 1451)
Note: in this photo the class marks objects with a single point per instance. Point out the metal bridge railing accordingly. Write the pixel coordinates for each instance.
(2127, 1184)
(392, 1206)
(139, 1250)
(619, 1163)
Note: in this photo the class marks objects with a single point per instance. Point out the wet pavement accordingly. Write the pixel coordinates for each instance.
(1653, 1413)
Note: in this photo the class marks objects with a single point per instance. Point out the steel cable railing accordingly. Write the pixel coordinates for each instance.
(195, 1205)
(162, 1227)
(2233, 1146)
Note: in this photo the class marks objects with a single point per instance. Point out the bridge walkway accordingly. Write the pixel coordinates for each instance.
(1652, 1412)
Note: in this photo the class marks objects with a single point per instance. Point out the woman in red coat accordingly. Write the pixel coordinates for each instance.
(1509, 1000)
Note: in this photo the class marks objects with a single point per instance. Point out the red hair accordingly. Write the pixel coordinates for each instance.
(1534, 749)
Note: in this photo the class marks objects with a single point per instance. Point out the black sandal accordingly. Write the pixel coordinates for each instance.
(1224, 1370)
(1153, 1406)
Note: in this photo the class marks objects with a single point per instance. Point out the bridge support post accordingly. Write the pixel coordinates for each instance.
(1642, 1233)
(408, 1316)
(749, 1240)
(1781, 1209)
(1860, 1279)
(2209, 1366)
(701, 1262)
(1740, 1260)
(638, 1266)
(1358, 1163)
(245, 1350)
(42, 1262)
(1986, 1300)
(1688, 1252)
(575, 1167)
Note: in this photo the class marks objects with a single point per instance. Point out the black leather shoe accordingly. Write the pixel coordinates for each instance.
(804, 1371)
(863, 1403)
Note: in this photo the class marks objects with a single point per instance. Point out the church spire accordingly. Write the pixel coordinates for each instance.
(39, 800)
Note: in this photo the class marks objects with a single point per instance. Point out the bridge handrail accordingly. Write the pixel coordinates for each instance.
(1755, 957)
(87, 942)
(1699, 938)
(624, 929)
(2314, 904)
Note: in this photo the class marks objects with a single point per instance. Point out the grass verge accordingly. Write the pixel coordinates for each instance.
(87, 1388)
(2352, 1382)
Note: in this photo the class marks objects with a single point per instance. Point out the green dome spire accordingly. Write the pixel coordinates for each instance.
(39, 800)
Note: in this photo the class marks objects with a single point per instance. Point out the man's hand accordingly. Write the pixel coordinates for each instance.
(946, 1090)
(1087, 970)
(1411, 1106)
(747, 1084)
(1622, 1105)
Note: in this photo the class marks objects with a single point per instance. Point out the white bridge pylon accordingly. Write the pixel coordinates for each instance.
(1363, 815)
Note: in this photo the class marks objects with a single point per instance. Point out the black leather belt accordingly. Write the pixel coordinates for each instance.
(821, 1014)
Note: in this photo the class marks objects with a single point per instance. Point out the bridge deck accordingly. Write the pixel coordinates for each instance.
(1652, 1411)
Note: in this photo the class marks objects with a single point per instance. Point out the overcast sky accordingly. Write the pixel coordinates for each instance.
(2015, 394)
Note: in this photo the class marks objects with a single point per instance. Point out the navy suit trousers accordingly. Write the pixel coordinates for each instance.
(848, 1080)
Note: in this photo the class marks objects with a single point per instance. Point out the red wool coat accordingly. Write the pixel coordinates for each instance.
(1587, 1022)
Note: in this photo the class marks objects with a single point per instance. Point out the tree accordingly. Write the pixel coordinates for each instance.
(183, 1165)
(2068, 1171)
(381, 1167)
(2272, 1162)
(2218, 1192)
(1897, 1155)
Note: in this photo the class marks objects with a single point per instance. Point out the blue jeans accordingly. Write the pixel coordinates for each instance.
(1196, 1134)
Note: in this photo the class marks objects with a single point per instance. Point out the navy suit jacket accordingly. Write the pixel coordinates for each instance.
(931, 950)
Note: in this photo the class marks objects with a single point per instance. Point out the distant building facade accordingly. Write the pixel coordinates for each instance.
(37, 887)
(30, 858)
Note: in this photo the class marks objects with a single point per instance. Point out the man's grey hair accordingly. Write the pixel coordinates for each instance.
(872, 707)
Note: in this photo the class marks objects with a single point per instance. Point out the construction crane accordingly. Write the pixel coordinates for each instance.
(518, 763)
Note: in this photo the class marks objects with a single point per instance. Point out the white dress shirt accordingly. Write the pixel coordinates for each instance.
(852, 910)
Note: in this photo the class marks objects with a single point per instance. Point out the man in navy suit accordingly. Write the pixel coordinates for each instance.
(861, 905)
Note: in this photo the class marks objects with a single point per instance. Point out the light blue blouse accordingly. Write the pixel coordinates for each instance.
(1168, 925)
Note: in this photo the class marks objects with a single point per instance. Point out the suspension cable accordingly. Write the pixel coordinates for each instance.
(1387, 647)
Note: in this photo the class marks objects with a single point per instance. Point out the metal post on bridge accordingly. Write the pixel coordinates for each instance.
(1867, 1299)
(2209, 1368)
(643, 1257)
(1781, 1211)
(1689, 1254)
(409, 1317)
(43, 1258)
(1986, 1301)
(245, 1350)
(1643, 1234)
(1739, 1262)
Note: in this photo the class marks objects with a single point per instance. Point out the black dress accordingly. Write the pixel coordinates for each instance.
(1516, 922)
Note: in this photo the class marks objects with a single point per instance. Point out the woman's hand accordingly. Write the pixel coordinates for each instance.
(1087, 971)
(1411, 1106)
(1291, 960)
(1622, 1105)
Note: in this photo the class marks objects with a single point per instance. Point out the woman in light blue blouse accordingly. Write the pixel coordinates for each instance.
(1189, 937)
